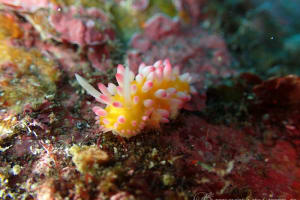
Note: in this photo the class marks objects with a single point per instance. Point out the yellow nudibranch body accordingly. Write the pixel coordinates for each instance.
(151, 97)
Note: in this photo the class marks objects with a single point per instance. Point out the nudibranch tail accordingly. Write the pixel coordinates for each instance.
(151, 97)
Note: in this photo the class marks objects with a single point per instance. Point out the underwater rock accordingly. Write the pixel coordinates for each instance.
(282, 91)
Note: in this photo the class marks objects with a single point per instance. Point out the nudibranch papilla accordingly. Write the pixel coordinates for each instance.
(151, 97)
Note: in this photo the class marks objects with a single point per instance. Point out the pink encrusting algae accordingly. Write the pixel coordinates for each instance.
(151, 97)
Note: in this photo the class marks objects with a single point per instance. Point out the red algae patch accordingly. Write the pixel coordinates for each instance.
(281, 91)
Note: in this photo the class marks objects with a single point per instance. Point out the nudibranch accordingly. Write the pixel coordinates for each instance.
(151, 97)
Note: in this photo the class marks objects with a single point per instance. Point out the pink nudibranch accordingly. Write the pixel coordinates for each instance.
(151, 97)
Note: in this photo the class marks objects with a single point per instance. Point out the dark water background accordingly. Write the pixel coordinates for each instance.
(264, 35)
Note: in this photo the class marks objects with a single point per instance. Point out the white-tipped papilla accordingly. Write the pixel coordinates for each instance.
(89, 88)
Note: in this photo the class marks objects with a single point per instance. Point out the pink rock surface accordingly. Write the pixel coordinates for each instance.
(81, 30)
(28, 5)
(160, 26)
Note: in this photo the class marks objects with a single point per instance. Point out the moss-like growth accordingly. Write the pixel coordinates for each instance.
(26, 76)
(88, 158)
